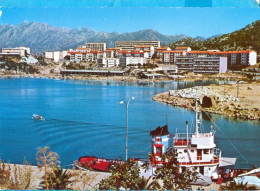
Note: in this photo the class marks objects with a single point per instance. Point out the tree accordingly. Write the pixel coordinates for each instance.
(13, 177)
(237, 186)
(57, 179)
(126, 176)
(169, 173)
(48, 159)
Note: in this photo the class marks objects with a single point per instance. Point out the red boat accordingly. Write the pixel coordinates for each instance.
(96, 164)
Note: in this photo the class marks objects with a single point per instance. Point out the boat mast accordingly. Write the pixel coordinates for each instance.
(196, 112)
(187, 131)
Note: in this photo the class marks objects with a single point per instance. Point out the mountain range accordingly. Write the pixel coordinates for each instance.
(41, 37)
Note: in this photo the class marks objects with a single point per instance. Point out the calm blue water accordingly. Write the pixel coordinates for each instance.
(85, 118)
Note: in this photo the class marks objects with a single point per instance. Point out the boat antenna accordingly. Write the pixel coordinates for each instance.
(166, 119)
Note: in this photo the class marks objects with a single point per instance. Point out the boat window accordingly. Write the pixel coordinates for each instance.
(185, 151)
(192, 150)
(206, 151)
(159, 150)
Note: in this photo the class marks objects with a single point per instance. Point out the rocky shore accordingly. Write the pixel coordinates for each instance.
(236, 100)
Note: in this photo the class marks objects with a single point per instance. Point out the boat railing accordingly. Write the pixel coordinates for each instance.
(203, 135)
(198, 162)
(183, 135)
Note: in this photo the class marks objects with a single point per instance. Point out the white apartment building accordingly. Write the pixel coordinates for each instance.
(48, 55)
(202, 64)
(108, 62)
(159, 51)
(183, 48)
(234, 58)
(145, 48)
(132, 61)
(101, 46)
(22, 51)
(56, 56)
(130, 45)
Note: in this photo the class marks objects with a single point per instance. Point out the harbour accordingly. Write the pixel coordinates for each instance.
(73, 127)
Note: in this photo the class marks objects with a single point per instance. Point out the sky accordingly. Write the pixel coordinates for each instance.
(194, 22)
(139, 3)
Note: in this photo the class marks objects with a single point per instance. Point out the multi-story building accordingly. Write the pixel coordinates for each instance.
(108, 62)
(84, 53)
(169, 56)
(238, 58)
(132, 61)
(210, 65)
(134, 57)
(101, 46)
(182, 48)
(22, 51)
(202, 64)
(146, 48)
(185, 63)
(159, 51)
(130, 45)
(234, 58)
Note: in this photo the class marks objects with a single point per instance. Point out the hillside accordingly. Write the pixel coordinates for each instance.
(42, 37)
(245, 38)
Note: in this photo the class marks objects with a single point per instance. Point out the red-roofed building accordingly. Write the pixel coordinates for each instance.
(202, 64)
(159, 52)
(234, 58)
(85, 54)
(145, 48)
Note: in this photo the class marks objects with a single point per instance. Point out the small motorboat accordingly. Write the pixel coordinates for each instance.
(91, 163)
(37, 117)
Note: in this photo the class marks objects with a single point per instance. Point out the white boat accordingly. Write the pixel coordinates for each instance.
(37, 117)
(196, 151)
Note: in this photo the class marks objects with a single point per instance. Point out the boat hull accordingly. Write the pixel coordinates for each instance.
(91, 163)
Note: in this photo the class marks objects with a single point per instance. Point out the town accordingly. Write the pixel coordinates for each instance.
(147, 58)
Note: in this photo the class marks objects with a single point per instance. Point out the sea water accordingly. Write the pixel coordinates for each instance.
(86, 118)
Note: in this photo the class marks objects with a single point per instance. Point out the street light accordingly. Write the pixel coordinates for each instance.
(126, 104)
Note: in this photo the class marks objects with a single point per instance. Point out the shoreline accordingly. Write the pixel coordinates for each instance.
(189, 78)
(222, 101)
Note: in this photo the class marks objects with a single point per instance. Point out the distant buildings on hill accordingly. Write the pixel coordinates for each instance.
(139, 53)
(21, 51)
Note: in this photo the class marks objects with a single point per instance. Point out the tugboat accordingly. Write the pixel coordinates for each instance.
(196, 151)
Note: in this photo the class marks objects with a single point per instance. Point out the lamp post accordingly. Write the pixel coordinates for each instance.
(126, 104)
